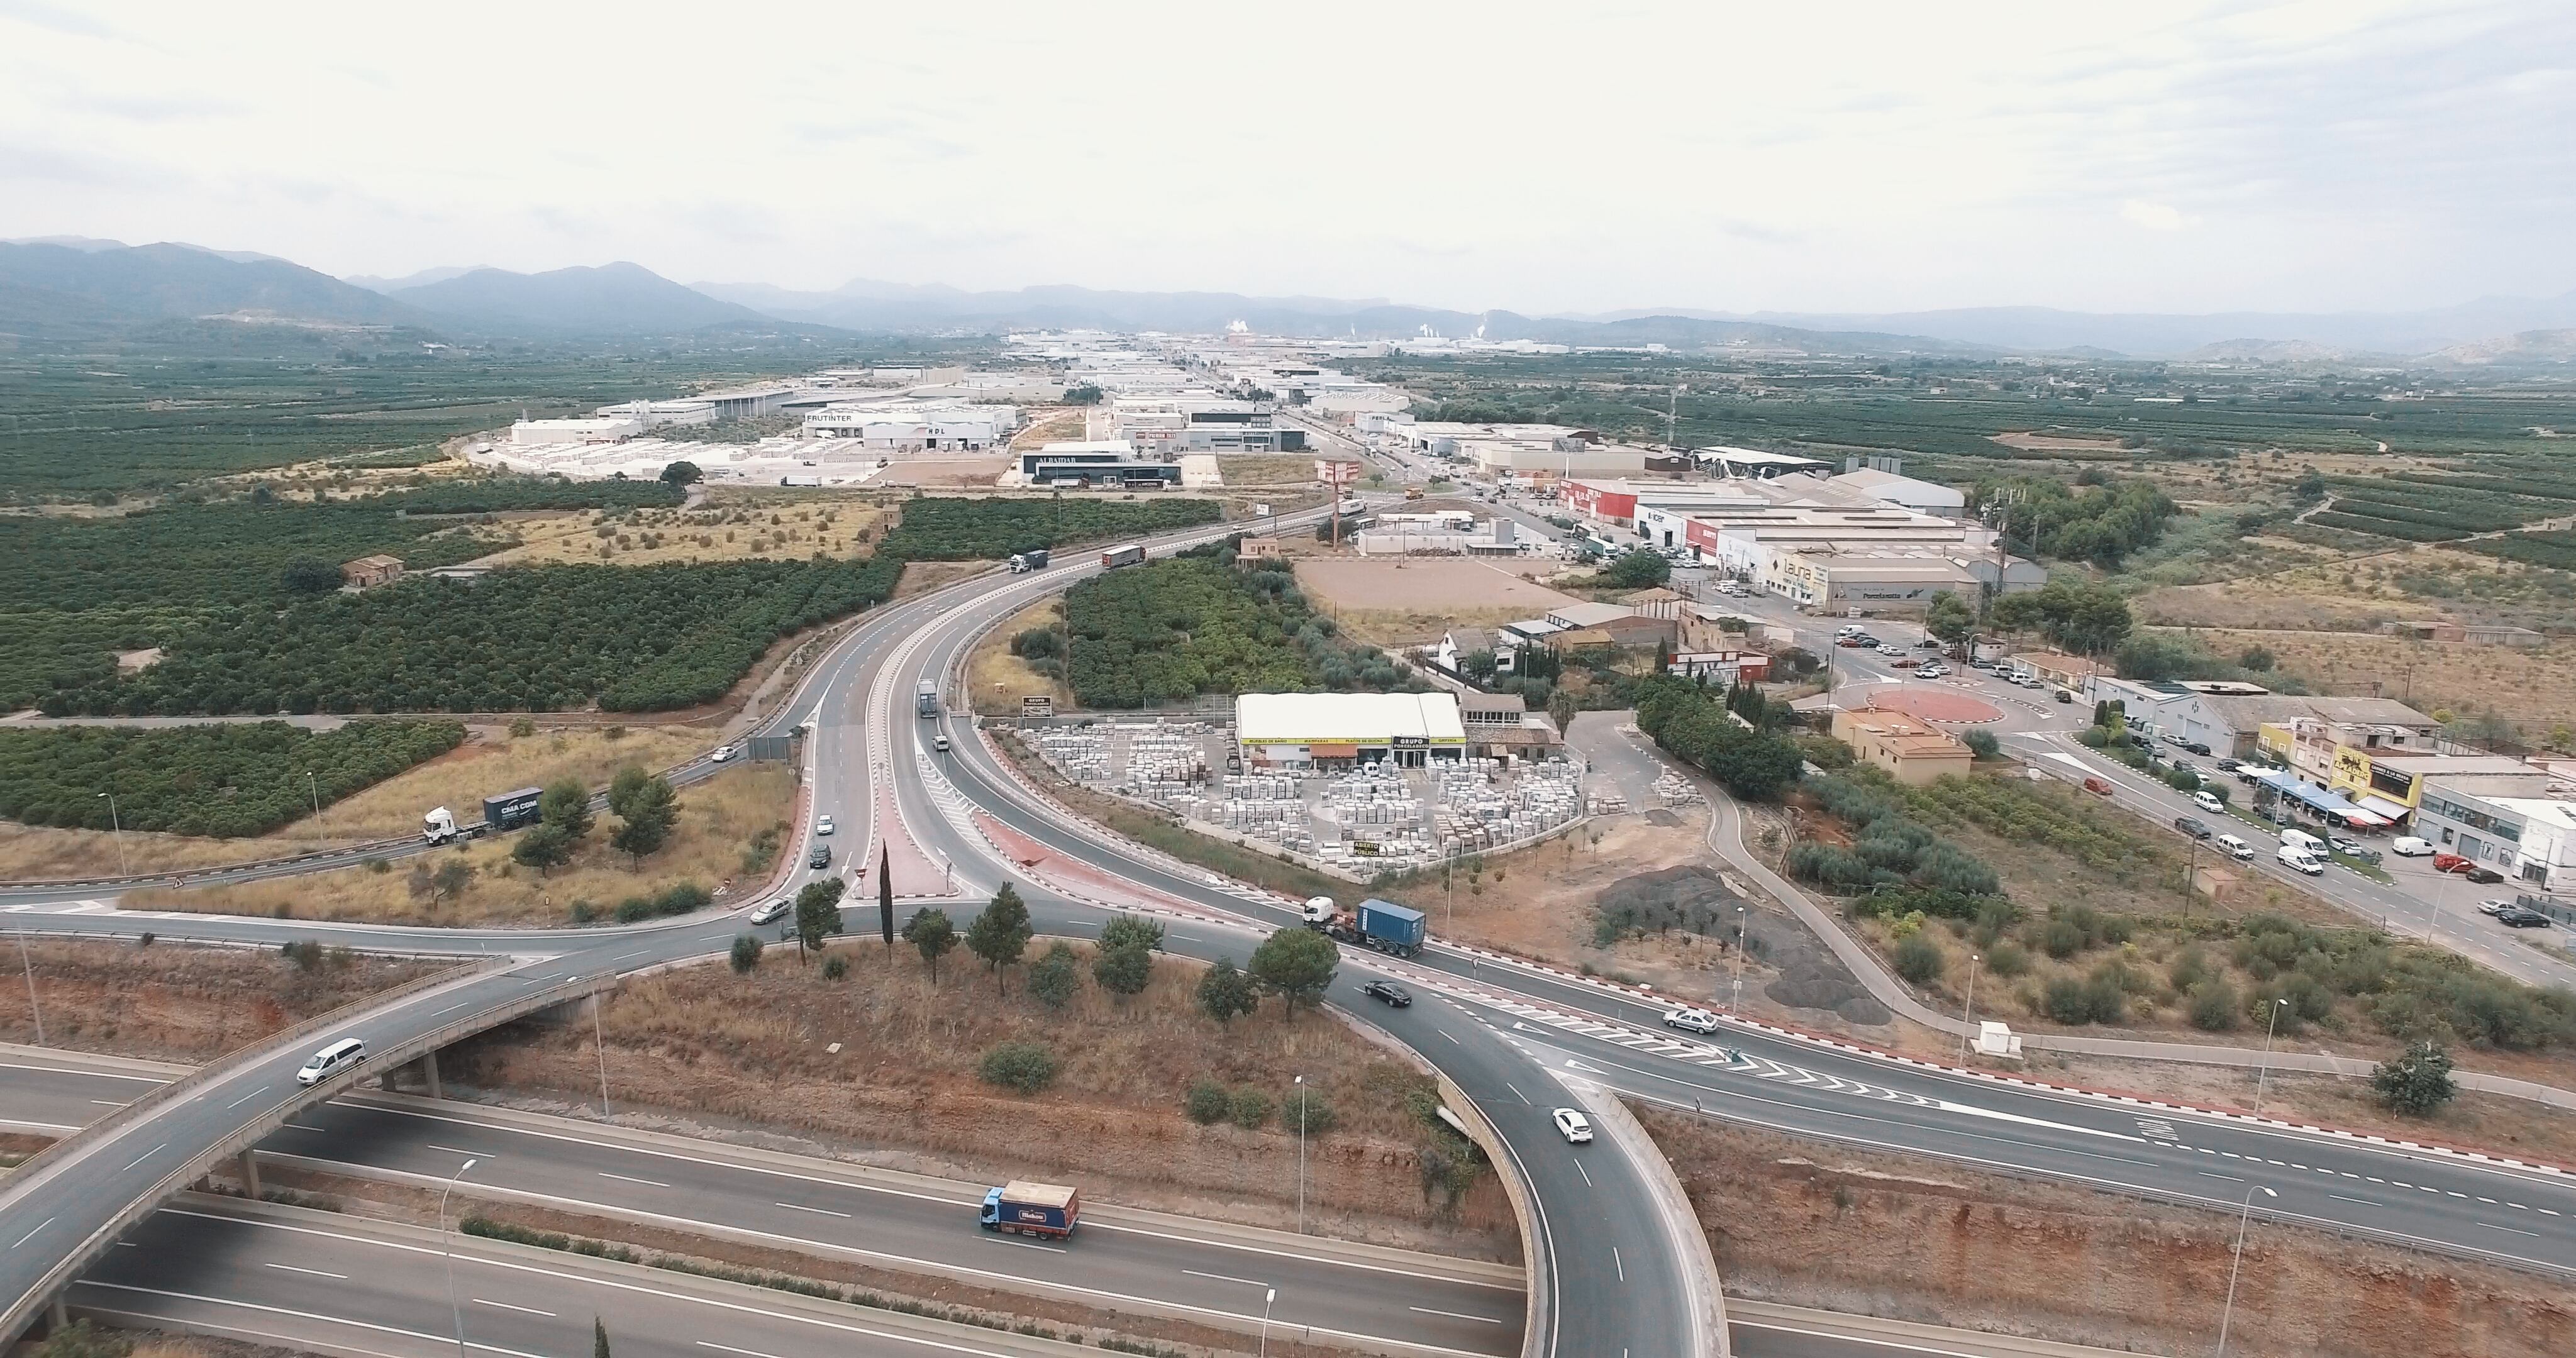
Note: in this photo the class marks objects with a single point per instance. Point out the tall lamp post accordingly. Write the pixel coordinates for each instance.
(316, 789)
(1301, 1155)
(1266, 1299)
(116, 823)
(30, 967)
(447, 1243)
(1968, 1011)
(2260, 1076)
(2236, 1263)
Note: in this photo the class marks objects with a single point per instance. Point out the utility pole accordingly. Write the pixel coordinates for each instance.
(2236, 1262)
(447, 1242)
(2265, 1073)
(599, 1044)
(1301, 1155)
(117, 825)
(1735, 1000)
(30, 967)
(316, 789)
(1968, 1012)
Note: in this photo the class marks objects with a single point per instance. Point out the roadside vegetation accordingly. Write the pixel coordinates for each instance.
(221, 780)
(956, 528)
(1170, 630)
(181, 1002)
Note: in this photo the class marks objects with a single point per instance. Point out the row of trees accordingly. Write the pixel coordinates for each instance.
(1892, 856)
(1755, 764)
(2082, 617)
(232, 779)
(645, 804)
(1169, 630)
(2097, 524)
(955, 528)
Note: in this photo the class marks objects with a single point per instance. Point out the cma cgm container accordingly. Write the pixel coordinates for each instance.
(510, 810)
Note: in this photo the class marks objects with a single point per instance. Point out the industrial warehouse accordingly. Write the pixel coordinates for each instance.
(1329, 730)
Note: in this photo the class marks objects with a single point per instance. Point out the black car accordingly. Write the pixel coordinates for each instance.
(821, 857)
(2198, 748)
(2191, 826)
(1390, 992)
(2522, 917)
(2484, 876)
(2229, 765)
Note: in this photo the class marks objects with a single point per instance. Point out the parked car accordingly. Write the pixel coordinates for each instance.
(2408, 846)
(1903, 662)
(770, 910)
(2496, 906)
(1691, 1020)
(2208, 801)
(2522, 917)
(2229, 765)
(2484, 876)
(1928, 644)
(2345, 846)
(1390, 993)
(1571, 1125)
(2065, 697)
(2191, 826)
(2450, 862)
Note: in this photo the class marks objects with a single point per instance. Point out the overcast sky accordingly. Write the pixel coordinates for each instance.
(1539, 157)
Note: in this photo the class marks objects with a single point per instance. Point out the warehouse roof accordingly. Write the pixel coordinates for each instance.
(1345, 718)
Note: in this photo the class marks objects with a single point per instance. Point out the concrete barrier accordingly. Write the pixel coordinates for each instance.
(1538, 1253)
(1673, 1204)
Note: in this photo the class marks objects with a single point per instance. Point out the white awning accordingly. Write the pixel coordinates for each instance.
(2383, 807)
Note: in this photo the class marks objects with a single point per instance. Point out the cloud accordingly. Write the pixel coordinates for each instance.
(2158, 216)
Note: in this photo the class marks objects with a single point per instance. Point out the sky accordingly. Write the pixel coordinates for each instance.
(1543, 158)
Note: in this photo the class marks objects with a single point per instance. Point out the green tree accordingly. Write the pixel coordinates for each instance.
(818, 912)
(1123, 971)
(746, 952)
(566, 806)
(625, 788)
(1021, 1067)
(1638, 569)
(2418, 1082)
(1056, 977)
(1982, 744)
(1207, 1101)
(930, 932)
(681, 474)
(1296, 963)
(543, 847)
(308, 575)
(1225, 991)
(1132, 931)
(1950, 619)
(1001, 932)
(450, 880)
(646, 812)
(1305, 1110)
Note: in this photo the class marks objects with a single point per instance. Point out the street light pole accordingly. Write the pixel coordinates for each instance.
(1735, 1000)
(1266, 1299)
(316, 789)
(1301, 1155)
(447, 1243)
(116, 824)
(2269, 1022)
(32, 1007)
(2236, 1263)
(1968, 1011)
(599, 1044)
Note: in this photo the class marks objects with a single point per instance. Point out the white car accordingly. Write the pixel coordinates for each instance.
(723, 753)
(771, 910)
(823, 825)
(2494, 907)
(2411, 847)
(340, 1055)
(1571, 1125)
(1691, 1020)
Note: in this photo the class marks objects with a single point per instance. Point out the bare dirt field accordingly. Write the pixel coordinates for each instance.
(921, 577)
(490, 761)
(1052, 424)
(1916, 1238)
(784, 530)
(2039, 441)
(1267, 469)
(175, 1002)
(714, 845)
(946, 473)
(2534, 687)
(703, 1041)
(996, 679)
(1399, 601)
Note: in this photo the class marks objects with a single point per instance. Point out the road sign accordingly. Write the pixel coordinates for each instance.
(1037, 705)
(1336, 473)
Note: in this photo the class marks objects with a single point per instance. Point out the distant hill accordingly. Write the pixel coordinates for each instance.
(410, 280)
(91, 284)
(612, 298)
(2530, 346)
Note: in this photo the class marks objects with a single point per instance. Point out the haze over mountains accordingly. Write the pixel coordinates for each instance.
(63, 285)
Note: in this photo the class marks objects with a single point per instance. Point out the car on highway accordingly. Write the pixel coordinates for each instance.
(820, 857)
(1389, 993)
(2522, 917)
(722, 754)
(2495, 906)
(1572, 1125)
(823, 825)
(2299, 860)
(2408, 846)
(769, 910)
(331, 1060)
(939, 743)
(1691, 1020)
(2192, 826)
(2208, 801)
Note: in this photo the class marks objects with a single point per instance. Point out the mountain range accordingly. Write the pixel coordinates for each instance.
(81, 287)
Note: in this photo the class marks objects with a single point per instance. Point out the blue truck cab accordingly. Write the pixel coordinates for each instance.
(1026, 1208)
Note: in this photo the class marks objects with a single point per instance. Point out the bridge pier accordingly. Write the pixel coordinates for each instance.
(429, 1073)
(250, 1174)
(57, 1317)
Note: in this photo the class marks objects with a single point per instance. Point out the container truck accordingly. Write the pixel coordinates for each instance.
(925, 698)
(1026, 1208)
(510, 810)
(1034, 559)
(439, 826)
(1378, 924)
(1130, 555)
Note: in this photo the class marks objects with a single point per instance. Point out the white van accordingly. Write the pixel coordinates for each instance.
(2236, 848)
(2408, 846)
(2302, 841)
(2208, 801)
(331, 1060)
(2300, 860)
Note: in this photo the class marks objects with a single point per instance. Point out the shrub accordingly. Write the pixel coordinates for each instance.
(1251, 1108)
(1056, 977)
(746, 952)
(2417, 1083)
(835, 967)
(2098, 998)
(2061, 938)
(2007, 960)
(1022, 1067)
(1308, 1102)
(1918, 958)
(1207, 1102)
(2214, 1006)
(1982, 744)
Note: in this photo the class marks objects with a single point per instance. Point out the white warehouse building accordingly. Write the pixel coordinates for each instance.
(1305, 730)
(914, 429)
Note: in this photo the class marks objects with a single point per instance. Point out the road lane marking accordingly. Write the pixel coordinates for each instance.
(1617, 1263)
(1587, 1174)
(459, 1150)
(147, 1155)
(1026, 1245)
(318, 1273)
(648, 1183)
(109, 1103)
(819, 1211)
(450, 1009)
(2363, 1201)
(1225, 1278)
(509, 1306)
(1516, 1089)
(31, 1234)
(1445, 1033)
(1455, 1315)
(2515, 1229)
(246, 1098)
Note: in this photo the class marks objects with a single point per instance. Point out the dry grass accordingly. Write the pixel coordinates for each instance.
(718, 820)
(1266, 469)
(790, 530)
(921, 577)
(1442, 585)
(997, 679)
(1392, 628)
(170, 1001)
(2534, 687)
(759, 1047)
(490, 761)
(1052, 424)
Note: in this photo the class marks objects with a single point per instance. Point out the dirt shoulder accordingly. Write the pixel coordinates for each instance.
(997, 680)
(726, 1054)
(177, 1002)
(1915, 1238)
(717, 842)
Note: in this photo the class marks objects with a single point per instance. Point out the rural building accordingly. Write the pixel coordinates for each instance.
(2228, 716)
(1301, 730)
(1832, 582)
(660, 414)
(1909, 749)
(1257, 549)
(2055, 667)
(1658, 602)
(2500, 635)
(910, 427)
(1500, 724)
(1755, 464)
(2307, 737)
(1722, 668)
(1461, 642)
(368, 571)
(1097, 462)
(1583, 625)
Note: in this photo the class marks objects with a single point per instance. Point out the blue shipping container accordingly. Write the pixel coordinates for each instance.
(1393, 926)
